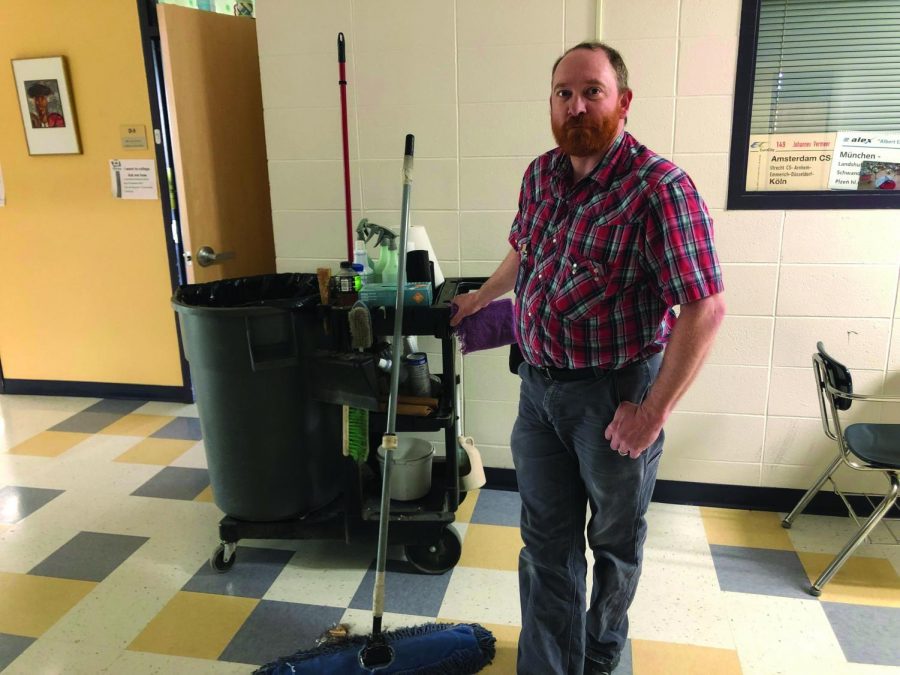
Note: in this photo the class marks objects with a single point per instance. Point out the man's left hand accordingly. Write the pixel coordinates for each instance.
(632, 430)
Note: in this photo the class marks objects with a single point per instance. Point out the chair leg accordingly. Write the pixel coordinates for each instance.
(812, 492)
(862, 533)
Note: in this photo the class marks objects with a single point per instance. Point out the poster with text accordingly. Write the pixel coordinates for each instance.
(866, 160)
(789, 161)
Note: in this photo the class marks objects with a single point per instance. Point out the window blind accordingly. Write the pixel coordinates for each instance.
(827, 65)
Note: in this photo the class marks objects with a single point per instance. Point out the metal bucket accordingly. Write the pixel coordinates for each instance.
(411, 474)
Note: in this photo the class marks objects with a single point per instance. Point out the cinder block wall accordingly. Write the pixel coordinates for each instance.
(471, 79)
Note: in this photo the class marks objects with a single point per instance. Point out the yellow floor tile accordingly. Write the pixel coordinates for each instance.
(137, 425)
(467, 508)
(494, 547)
(205, 496)
(162, 451)
(504, 662)
(862, 580)
(753, 529)
(49, 443)
(199, 625)
(649, 657)
(31, 604)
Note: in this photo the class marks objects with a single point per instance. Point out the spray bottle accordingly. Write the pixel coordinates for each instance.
(389, 266)
(387, 246)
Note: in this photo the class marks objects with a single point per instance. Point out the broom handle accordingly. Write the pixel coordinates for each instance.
(389, 440)
(344, 137)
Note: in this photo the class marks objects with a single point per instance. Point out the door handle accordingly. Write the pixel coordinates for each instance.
(206, 256)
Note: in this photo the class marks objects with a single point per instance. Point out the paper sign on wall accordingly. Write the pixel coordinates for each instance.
(789, 161)
(866, 160)
(133, 178)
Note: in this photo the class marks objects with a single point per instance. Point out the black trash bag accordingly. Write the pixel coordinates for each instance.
(288, 291)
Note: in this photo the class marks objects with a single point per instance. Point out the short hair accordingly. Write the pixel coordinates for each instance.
(39, 89)
(615, 60)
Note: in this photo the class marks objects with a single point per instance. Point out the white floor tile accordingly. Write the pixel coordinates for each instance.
(484, 596)
(195, 458)
(170, 409)
(828, 534)
(776, 635)
(140, 663)
(323, 573)
(52, 657)
(19, 425)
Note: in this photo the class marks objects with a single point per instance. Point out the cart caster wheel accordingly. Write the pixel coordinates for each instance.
(438, 557)
(221, 562)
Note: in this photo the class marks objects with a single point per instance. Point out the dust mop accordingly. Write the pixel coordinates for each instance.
(430, 649)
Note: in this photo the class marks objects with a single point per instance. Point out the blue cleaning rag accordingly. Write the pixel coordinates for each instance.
(491, 327)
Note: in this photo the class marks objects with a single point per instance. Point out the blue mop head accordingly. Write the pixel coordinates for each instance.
(431, 649)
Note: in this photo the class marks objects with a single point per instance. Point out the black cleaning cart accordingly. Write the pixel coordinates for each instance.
(271, 369)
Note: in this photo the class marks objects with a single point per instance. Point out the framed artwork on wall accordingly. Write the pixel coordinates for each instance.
(45, 101)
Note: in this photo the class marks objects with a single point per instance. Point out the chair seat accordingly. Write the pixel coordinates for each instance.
(877, 444)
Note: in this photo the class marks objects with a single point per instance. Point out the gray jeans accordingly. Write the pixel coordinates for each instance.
(564, 463)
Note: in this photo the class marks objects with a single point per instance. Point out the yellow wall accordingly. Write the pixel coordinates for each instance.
(84, 280)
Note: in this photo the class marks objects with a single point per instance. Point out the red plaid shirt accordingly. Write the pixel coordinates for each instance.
(602, 263)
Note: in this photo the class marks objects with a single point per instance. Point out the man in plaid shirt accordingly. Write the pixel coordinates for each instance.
(609, 237)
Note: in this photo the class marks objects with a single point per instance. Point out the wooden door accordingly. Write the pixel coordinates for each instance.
(211, 71)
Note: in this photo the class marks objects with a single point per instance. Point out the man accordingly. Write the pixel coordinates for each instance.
(41, 116)
(609, 237)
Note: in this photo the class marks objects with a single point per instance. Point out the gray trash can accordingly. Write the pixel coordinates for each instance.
(272, 451)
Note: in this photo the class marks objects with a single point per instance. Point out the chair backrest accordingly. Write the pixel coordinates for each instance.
(838, 377)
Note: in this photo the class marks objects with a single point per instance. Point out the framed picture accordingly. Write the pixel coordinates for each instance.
(45, 101)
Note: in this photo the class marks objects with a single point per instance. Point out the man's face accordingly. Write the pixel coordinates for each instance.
(587, 110)
(40, 103)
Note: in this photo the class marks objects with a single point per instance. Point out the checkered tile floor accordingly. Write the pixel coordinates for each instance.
(107, 522)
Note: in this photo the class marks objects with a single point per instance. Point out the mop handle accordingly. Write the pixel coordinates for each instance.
(389, 440)
(345, 138)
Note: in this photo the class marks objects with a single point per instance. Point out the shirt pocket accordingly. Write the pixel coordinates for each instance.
(526, 262)
(587, 286)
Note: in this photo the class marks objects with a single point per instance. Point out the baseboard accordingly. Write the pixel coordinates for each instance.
(144, 392)
(725, 496)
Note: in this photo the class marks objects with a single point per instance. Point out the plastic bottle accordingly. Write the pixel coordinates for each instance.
(343, 291)
(418, 381)
(362, 259)
(389, 271)
(361, 277)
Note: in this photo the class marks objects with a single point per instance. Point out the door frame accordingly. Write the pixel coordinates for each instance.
(162, 143)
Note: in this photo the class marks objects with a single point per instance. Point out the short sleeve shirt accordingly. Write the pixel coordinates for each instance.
(602, 263)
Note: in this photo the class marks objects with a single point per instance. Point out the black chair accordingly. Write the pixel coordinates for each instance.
(863, 446)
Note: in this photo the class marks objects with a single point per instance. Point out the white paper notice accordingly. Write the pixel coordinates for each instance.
(865, 160)
(133, 178)
(2, 189)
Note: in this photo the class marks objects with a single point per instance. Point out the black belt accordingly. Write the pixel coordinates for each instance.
(571, 374)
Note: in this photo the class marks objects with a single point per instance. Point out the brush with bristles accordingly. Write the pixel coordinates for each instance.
(356, 420)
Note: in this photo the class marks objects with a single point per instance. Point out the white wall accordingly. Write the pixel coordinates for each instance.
(470, 78)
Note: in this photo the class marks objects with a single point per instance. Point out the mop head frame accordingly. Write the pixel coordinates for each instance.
(430, 649)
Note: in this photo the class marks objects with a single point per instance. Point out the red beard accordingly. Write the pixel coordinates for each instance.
(583, 136)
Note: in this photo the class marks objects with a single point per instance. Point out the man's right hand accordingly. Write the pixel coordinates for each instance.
(466, 305)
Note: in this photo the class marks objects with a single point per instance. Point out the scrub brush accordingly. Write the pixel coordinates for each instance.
(356, 420)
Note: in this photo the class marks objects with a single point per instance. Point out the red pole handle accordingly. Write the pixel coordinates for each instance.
(344, 136)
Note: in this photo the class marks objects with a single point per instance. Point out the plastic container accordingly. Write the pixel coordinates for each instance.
(389, 270)
(418, 377)
(414, 294)
(411, 473)
(342, 287)
(272, 451)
